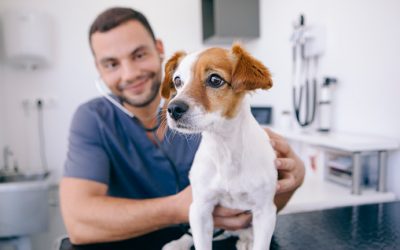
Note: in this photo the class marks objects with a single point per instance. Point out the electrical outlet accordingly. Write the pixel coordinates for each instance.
(34, 102)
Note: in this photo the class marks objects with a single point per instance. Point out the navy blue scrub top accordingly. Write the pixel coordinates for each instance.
(108, 146)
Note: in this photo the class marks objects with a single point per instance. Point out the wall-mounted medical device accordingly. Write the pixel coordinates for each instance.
(325, 105)
(308, 45)
(27, 39)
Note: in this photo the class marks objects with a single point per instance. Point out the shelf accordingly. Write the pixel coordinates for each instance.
(317, 194)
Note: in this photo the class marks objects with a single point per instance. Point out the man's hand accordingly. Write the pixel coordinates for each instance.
(182, 201)
(224, 218)
(231, 219)
(290, 167)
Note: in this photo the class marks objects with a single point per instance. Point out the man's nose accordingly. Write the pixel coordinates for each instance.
(129, 71)
(177, 109)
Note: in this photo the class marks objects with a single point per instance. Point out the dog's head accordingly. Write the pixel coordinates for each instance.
(207, 86)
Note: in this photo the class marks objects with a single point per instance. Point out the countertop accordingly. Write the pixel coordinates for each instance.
(372, 226)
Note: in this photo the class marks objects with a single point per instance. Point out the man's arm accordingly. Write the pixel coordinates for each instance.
(91, 216)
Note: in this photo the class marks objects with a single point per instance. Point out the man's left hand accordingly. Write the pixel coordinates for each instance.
(290, 167)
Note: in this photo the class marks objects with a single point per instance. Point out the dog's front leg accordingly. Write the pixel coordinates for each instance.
(201, 223)
(263, 226)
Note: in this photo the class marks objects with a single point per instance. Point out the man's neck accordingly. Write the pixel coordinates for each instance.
(147, 115)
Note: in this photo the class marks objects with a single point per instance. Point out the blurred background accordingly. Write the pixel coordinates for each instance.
(356, 43)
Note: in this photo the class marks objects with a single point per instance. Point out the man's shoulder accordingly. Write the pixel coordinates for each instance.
(98, 105)
(94, 103)
(90, 113)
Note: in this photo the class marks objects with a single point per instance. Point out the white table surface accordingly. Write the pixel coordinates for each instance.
(342, 141)
(317, 194)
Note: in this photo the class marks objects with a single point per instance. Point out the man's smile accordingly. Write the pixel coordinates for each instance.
(138, 86)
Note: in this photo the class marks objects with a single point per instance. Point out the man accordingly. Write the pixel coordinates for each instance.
(124, 182)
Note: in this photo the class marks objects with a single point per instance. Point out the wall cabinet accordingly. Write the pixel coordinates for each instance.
(226, 21)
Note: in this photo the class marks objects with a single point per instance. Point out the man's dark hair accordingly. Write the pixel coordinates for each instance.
(116, 16)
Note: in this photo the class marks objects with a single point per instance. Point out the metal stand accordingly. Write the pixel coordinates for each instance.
(357, 172)
(382, 155)
(356, 182)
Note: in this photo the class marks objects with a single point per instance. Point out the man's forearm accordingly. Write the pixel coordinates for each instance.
(91, 216)
(102, 218)
(109, 219)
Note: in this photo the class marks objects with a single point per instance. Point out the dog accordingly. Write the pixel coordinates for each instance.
(234, 165)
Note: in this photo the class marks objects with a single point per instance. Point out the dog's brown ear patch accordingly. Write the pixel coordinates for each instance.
(248, 73)
(167, 86)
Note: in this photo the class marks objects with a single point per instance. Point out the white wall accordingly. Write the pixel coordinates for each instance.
(2, 95)
(2, 118)
(70, 79)
(362, 52)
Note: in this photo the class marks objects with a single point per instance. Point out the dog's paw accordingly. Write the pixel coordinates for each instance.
(183, 243)
(244, 244)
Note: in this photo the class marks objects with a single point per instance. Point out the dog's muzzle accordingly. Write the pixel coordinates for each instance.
(177, 109)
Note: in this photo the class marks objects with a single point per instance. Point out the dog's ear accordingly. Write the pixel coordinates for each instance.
(248, 73)
(167, 86)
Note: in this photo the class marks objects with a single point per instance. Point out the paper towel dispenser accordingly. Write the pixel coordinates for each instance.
(26, 39)
(226, 21)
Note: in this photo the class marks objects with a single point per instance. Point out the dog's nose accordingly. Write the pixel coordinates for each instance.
(177, 109)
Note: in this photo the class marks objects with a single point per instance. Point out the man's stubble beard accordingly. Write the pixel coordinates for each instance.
(154, 92)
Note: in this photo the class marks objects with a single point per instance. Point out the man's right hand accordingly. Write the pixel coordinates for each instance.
(224, 218)
(183, 200)
(231, 219)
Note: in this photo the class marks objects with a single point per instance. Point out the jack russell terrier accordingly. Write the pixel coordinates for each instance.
(234, 165)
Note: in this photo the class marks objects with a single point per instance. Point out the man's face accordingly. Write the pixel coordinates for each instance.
(129, 62)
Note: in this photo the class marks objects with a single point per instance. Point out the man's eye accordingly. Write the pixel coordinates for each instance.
(110, 65)
(215, 81)
(177, 82)
(140, 55)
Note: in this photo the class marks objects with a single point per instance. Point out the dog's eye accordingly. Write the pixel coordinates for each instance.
(177, 82)
(215, 81)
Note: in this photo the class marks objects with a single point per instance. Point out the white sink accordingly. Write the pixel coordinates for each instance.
(24, 207)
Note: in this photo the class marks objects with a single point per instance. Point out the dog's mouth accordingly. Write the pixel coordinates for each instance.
(186, 125)
(192, 121)
(186, 128)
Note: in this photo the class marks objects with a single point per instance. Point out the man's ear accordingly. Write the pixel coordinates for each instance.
(167, 86)
(248, 73)
(159, 47)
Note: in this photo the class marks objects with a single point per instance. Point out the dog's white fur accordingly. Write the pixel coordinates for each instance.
(233, 167)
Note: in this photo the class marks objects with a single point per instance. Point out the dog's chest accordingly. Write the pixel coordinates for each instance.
(236, 174)
(244, 194)
(237, 200)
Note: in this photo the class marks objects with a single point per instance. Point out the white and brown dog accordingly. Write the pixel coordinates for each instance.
(234, 165)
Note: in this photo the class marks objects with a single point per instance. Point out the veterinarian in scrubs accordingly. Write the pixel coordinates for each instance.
(126, 177)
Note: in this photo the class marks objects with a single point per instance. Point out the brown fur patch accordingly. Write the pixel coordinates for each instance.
(249, 73)
(167, 86)
(224, 99)
(237, 67)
